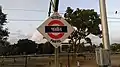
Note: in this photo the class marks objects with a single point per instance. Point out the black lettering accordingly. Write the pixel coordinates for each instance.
(56, 29)
(55, 41)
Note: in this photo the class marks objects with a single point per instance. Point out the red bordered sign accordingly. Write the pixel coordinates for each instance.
(55, 29)
(53, 35)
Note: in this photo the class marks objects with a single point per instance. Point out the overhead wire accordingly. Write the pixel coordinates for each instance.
(22, 20)
(36, 10)
(113, 17)
(27, 10)
(43, 20)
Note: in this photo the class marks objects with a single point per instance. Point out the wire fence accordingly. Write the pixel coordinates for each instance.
(24, 61)
(47, 60)
(44, 60)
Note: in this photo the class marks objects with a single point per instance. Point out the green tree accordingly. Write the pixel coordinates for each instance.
(3, 33)
(115, 47)
(12, 49)
(40, 48)
(48, 48)
(27, 46)
(86, 21)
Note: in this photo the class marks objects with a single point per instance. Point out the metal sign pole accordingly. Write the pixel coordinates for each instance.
(56, 3)
(56, 57)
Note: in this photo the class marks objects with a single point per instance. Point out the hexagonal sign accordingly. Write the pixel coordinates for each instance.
(55, 29)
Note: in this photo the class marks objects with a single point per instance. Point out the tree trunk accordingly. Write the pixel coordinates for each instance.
(75, 50)
(91, 50)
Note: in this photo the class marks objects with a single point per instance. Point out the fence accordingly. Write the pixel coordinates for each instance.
(24, 61)
(44, 60)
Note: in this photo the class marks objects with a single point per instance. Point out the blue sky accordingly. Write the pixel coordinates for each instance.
(26, 29)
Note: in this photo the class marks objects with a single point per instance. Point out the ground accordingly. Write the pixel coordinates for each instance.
(49, 61)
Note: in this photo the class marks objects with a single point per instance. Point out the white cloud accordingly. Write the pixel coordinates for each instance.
(37, 37)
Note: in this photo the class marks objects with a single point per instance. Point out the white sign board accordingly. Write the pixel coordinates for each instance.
(55, 29)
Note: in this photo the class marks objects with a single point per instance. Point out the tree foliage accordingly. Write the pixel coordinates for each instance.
(48, 48)
(26, 46)
(3, 31)
(115, 47)
(86, 21)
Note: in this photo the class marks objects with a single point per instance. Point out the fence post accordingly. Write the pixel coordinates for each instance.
(14, 61)
(25, 56)
(2, 61)
(25, 61)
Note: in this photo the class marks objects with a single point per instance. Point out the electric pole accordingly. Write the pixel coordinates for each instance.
(105, 31)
